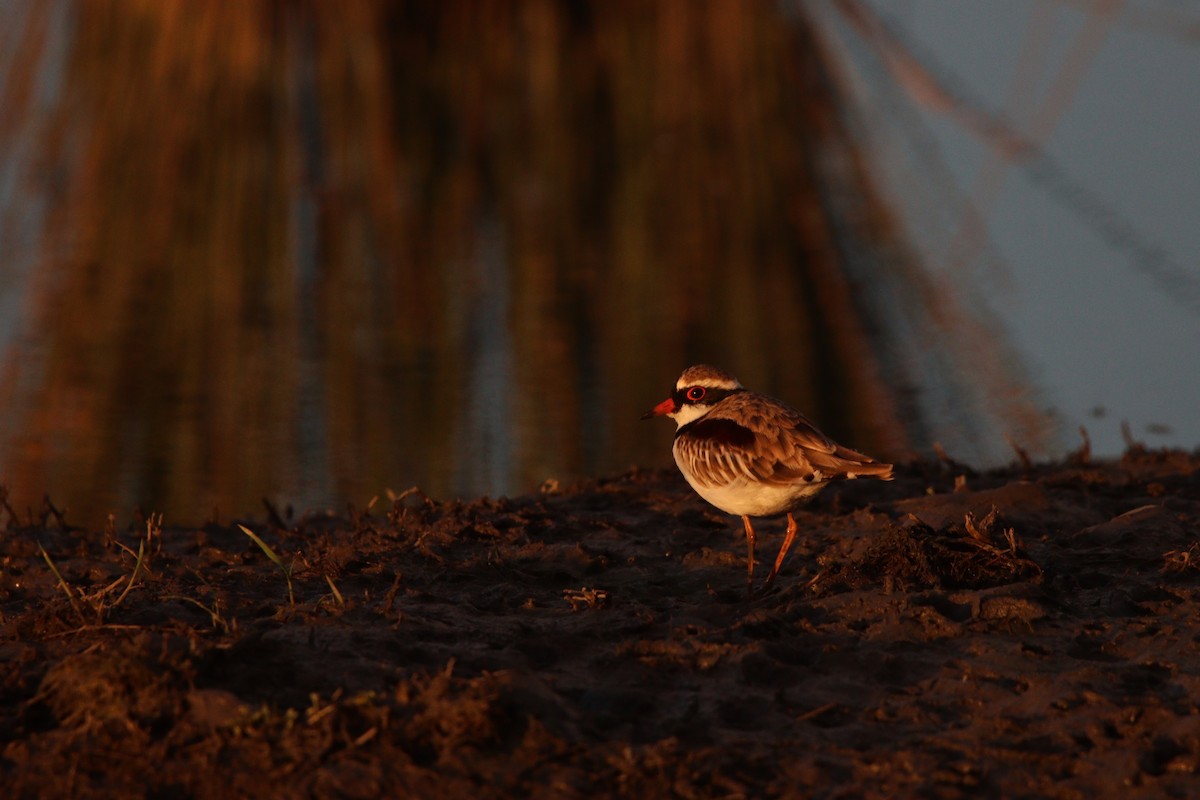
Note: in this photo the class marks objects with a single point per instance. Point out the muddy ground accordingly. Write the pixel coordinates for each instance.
(1027, 632)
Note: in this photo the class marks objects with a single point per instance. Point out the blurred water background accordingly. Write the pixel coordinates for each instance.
(311, 251)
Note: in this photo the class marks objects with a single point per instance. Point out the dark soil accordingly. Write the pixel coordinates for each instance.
(1014, 633)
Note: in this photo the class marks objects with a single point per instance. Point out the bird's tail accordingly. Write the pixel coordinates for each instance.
(858, 465)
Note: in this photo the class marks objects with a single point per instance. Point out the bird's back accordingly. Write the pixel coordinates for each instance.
(751, 450)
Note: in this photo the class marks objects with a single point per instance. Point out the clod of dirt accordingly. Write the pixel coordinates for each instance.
(913, 556)
(449, 721)
(98, 688)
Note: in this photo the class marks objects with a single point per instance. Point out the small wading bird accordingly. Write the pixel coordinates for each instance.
(752, 455)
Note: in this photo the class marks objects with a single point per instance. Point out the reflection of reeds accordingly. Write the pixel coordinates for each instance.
(260, 272)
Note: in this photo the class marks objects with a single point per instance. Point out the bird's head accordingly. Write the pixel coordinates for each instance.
(698, 389)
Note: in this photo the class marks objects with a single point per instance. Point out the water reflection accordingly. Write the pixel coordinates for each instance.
(307, 252)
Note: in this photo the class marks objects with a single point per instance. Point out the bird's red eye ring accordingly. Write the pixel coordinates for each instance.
(695, 393)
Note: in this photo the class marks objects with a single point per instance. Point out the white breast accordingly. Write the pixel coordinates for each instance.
(751, 498)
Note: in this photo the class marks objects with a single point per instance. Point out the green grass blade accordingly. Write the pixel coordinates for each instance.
(341, 600)
(266, 548)
(271, 554)
(66, 587)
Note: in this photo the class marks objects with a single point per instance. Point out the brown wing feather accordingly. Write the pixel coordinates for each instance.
(755, 437)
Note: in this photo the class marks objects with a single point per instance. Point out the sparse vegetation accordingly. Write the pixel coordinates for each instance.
(286, 569)
(484, 653)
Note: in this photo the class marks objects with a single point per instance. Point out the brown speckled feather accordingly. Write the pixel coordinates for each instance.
(749, 436)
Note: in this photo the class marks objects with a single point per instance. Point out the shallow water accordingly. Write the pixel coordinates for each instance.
(310, 256)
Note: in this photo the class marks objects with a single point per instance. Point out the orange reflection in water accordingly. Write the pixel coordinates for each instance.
(311, 251)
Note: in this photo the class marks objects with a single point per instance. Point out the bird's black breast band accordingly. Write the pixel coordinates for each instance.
(721, 431)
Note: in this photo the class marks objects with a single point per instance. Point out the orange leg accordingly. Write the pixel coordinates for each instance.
(750, 558)
(788, 538)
